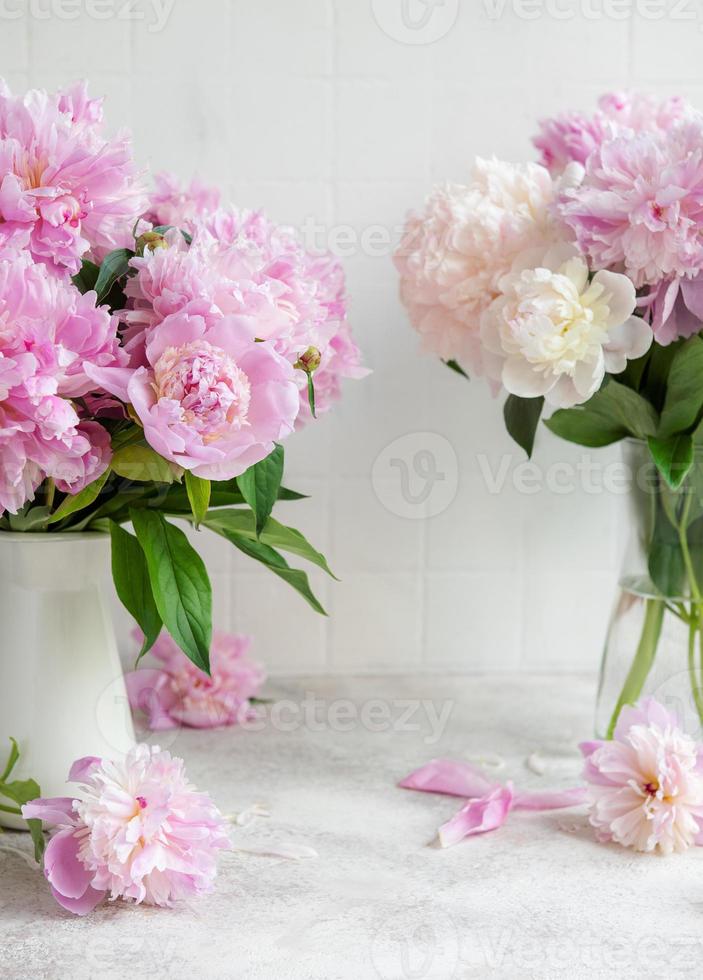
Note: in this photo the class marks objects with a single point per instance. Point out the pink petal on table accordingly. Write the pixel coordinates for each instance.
(53, 812)
(83, 905)
(64, 871)
(82, 768)
(449, 777)
(479, 816)
(553, 800)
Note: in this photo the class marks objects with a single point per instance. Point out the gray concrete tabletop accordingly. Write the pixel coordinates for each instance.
(538, 898)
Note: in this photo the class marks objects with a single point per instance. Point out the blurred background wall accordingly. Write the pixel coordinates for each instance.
(337, 116)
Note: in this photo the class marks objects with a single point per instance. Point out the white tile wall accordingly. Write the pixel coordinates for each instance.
(307, 108)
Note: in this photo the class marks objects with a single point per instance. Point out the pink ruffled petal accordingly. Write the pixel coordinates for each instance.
(82, 768)
(478, 816)
(148, 691)
(449, 777)
(83, 905)
(64, 870)
(54, 811)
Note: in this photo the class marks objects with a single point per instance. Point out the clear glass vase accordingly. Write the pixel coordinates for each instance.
(654, 645)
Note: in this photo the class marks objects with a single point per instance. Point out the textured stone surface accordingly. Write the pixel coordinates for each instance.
(538, 899)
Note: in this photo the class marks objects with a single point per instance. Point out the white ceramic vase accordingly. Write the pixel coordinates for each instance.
(62, 693)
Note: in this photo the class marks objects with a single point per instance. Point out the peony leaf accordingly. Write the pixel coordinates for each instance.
(684, 391)
(457, 368)
(131, 577)
(198, 492)
(79, 501)
(613, 413)
(522, 417)
(86, 278)
(674, 458)
(260, 486)
(114, 266)
(143, 464)
(274, 535)
(179, 582)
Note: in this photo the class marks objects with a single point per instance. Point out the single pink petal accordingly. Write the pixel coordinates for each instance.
(478, 816)
(83, 905)
(82, 768)
(113, 379)
(449, 777)
(551, 800)
(588, 748)
(63, 868)
(54, 811)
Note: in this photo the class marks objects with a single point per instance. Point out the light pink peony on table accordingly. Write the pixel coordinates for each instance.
(178, 693)
(646, 785)
(136, 830)
(65, 188)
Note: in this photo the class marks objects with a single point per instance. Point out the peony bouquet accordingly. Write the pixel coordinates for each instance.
(155, 351)
(575, 284)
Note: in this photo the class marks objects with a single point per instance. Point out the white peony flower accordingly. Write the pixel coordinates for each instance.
(555, 332)
(454, 254)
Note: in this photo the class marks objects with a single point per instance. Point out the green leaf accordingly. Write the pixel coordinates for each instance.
(30, 518)
(37, 835)
(198, 496)
(20, 791)
(114, 266)
(684, 392)
(613, 413)
(143, 464)
(276, 563)
(457, 368)
(180, 584)
(634, 372)
(656, 375)
(674, 458)
(86, 278)
(666, 564)
(131, 577)
(79, 501)
(11, 760)
(162, 229)
(260, 485)
(522, 417)
(274, 535)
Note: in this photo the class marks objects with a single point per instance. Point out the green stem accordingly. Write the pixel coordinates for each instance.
(695, 686)
(644, 658)
(50, 492)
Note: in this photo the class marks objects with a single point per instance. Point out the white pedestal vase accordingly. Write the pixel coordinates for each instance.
(62, 693)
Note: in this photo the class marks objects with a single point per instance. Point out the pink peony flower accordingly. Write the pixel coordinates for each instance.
(242, 264)
(640, 206)
(210, 399)
(646, 786)
(138, 830)
(572, 137)
(64, 188)
(172, 203)
(675, 309)
(180, 694)
(49, 337)
(453, 255)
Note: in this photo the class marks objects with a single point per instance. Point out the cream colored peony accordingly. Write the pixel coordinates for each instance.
(555, 332)
(454, 254)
